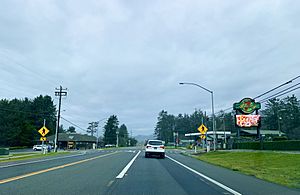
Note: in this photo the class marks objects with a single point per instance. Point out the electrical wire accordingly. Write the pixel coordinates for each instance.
(19, 111)
(72, 123)
(281, 94)
(286, 83)
(282, 91)
(274, 95)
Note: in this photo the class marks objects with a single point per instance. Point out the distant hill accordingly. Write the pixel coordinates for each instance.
(142, 138)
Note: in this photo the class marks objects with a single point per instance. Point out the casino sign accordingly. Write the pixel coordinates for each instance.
(245, 108)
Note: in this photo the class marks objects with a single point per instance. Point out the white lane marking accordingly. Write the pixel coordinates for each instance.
(123, 172)
(110, 183)
(207, 178)
(43, 160)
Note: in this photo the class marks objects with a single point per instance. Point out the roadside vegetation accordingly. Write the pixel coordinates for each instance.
(280, 168)
(29, 155)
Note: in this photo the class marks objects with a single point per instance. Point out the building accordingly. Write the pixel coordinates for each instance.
(74, 141)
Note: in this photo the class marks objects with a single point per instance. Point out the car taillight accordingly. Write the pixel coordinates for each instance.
(163, 147)
(148, 147)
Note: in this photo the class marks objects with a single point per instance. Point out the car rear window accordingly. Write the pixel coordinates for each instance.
(155, 143)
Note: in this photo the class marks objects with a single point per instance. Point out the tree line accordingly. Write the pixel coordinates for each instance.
(20, 120)
(278, 114)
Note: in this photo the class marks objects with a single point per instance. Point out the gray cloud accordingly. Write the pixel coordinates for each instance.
(127, 57)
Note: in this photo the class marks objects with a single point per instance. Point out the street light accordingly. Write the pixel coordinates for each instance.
(212, 107)
(279, 118)
(98, 131)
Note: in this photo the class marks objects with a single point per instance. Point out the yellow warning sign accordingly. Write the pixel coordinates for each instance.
(44, 131)
(202, 136)
(202, 129)
(43, 139)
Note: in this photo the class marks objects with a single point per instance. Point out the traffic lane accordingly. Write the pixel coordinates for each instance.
(91, 177)
(242, 183)
(12, 171)
(161, 176)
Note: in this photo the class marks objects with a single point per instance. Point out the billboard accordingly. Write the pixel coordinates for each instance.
(247, 120)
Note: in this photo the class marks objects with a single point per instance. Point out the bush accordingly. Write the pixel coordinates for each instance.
(18, 147)
(281, 138)
(4, 151)
(282, 145)
(247, 145)
(273, 145)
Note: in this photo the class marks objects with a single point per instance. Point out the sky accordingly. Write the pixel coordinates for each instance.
(127, 57)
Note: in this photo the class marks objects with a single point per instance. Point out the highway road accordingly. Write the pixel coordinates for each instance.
(127, 171)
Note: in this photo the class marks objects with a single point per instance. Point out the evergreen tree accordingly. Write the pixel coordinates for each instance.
(123, 136)
(71, 129)
(110, 130)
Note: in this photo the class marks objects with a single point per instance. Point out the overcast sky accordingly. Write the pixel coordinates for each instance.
(127, 57)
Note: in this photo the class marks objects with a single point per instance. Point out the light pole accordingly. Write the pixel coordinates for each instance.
(212, 108)
(279, 118)
(98, 131)
(117, 138)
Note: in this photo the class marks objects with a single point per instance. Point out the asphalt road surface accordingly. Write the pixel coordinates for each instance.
(127, 171)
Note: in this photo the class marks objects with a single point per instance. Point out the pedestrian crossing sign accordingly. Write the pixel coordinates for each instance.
(202, 129)
(43, 131)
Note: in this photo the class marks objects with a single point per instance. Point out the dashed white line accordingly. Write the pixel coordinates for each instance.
(124, 171)
(206, 177)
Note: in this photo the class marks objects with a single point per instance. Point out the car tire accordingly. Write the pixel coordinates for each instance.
(162, 156)
(146, 155)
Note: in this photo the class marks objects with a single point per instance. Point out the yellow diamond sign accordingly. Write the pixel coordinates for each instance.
(43, 139)
(44, 131)
(202, 136)
(202, 129)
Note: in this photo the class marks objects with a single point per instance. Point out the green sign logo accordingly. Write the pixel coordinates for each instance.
(247, 106)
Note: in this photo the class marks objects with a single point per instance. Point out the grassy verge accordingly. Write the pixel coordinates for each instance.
(173, 147)
(279, 168)
(25, 156)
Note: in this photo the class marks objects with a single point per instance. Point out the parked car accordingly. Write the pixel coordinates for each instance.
(39, 147)
(155, 148)
(110, 145)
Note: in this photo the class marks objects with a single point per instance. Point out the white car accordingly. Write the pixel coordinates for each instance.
(39, 147)
(155, 147)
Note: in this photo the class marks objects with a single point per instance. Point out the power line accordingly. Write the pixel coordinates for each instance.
(72, 123)
(19, 111)
(286, 83)
(282, 91)
(282, 94)
(265, 99)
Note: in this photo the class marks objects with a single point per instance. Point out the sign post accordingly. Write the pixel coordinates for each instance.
(43, 131)
(203, 129)
(244, 117)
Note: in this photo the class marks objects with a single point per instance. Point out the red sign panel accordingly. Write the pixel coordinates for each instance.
(247, 120)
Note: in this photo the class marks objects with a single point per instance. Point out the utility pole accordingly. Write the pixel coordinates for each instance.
(61, 92)
(117, 138)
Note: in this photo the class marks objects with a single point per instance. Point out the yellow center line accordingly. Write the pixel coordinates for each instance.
(51, 169)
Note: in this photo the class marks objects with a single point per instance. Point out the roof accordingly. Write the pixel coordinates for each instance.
(73, 137)
(263, 132)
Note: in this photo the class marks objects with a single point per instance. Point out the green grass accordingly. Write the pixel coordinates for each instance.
(173, 147)
(25, 156)
(280, 168)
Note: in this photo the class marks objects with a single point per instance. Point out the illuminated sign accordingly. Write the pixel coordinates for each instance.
(247, 120)
(247, 106)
